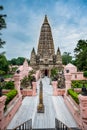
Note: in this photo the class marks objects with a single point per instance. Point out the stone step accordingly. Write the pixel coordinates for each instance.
(44, 129)
(55, 129)
(75, 128)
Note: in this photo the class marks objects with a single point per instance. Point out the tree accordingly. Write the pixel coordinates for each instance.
(30, 76)
(66, 58)
(81, 54)
(25, 82)
(54, 73)
(85, 74)
(2, 25)
(3, 65)
(17, 61)
(3, 61)
(20, 60)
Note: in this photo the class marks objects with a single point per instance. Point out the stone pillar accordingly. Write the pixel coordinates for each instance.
(34, 88)
(54, 84)
(67, 82)
(68, 86)
(2, 105)
(83, 111)
(17, 83)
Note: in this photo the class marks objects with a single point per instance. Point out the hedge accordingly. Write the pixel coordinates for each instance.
(79, 83)
(8, 85)
(10, 96)
(85, 74)
(74, 95)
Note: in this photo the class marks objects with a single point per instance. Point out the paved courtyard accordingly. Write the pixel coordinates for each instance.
(54, 108)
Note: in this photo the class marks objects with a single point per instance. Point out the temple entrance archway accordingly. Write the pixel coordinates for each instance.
(46, 72)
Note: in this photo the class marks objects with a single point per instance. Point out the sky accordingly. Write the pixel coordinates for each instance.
(67, 18)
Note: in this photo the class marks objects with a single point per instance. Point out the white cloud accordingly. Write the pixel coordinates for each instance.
(67, 21)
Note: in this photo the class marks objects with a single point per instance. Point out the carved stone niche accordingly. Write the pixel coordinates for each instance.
(54, 59)
(37, 59)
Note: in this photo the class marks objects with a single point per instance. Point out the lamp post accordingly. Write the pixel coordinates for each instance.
(1, 80)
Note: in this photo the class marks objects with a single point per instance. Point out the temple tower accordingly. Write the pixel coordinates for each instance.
(46, 59)
(45, 45)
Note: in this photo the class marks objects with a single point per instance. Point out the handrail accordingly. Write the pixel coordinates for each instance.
(23, 125)
(61, 125)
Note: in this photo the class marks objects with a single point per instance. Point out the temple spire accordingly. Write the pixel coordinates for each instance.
(33, 57)
(58, 51)
(45, 19)
(46, 44)
(59, 57)
(33, 50)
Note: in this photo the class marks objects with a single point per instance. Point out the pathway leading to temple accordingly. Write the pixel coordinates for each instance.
(54, 108)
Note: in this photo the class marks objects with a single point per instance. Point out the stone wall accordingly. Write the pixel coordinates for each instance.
(57, 91)
(26, 92)
(5, 117)
(79, 112)
(30, 92)
(83, 111)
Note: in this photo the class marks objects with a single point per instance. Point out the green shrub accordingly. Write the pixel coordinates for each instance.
(10, 96)
(8, 76)
(78, 83)
(74, 95)
(54, 74)
(75, 84)
(85, 74)
(8, 85)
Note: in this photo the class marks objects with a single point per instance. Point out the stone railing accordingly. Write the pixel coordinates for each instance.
(12, 107)
(83, 111)
(5, 91)
(74, 108)
(57, 91)
(79, 112)
(29, 92)
(26, 92)
(60, 92)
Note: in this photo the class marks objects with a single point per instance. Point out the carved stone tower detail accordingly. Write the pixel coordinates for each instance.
(46, 45)
(46, 59)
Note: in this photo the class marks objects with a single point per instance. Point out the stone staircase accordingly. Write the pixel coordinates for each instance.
(57, 129)
(44, 129)
(58, 126)
(75, 129)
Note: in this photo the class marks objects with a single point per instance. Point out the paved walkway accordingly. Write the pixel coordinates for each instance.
(54, 107)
